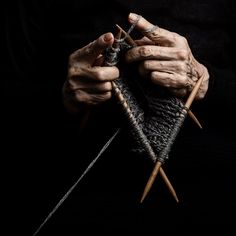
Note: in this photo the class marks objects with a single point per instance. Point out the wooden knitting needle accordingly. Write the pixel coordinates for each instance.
(132, 43)
(194, 118)
(157, 167)
(120, 97)
(127, 109)
(158, 163)
(128, 37)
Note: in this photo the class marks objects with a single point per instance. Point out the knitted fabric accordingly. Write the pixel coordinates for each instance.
(157, 113)
(153, 114)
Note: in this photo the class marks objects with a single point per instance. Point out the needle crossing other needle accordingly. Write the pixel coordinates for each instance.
(136, 127)
(158, 164)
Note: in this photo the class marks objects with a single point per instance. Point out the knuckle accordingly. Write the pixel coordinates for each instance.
(99, 74)
(183, 54)
(175, 36)
(184, 40)
(107, 86)
(74, 70)
(186, 81)
(71, 72)
(162, 64)
(173, 80)
(146, 65)
(153, 77)
(145, 51)
(157, 31)
(182, 67)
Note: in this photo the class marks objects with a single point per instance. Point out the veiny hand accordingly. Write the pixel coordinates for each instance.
(88, 81)
(165, 57)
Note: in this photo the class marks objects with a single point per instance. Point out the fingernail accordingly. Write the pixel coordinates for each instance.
(133, 17)
(108, 37)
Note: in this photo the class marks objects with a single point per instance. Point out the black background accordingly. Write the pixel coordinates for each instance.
(43, 155)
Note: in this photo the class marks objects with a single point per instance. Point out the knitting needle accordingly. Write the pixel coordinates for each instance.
(162, 173)
(128, 37)
(158, 163)
(132, 43)
(127, 110)
(194, 118)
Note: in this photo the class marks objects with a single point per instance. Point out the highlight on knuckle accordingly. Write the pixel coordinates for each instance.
(71, 72)
(145, 51)
(183, 54)
(175, 36)
(182, 67)
(107, 86)
(146, 65)
(184, 40)
(99, 74)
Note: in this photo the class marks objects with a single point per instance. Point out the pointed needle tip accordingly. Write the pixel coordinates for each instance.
(176, 199)
(142, 199)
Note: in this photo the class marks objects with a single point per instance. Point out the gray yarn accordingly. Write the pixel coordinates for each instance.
(154, 123)
(159, 117)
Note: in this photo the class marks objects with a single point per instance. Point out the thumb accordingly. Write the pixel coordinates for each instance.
(90, 52)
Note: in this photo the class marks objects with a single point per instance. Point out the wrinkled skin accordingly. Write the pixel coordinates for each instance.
(164, 57)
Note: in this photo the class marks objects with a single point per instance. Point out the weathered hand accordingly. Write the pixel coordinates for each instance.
(165, 57)
(88, 81)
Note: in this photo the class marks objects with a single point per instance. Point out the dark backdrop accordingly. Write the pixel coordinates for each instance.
(43, 154)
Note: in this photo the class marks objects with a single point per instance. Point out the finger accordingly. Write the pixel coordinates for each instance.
(178, 67)
(91, 99)
(92, 51)
(155, 52)
(93, 87)
(169, 80)
(144, 41)
(95, 73)
(156, 34)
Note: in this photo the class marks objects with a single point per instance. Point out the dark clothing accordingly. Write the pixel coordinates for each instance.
(47, 154)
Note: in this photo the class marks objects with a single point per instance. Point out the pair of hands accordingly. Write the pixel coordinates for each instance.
(164, 57)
